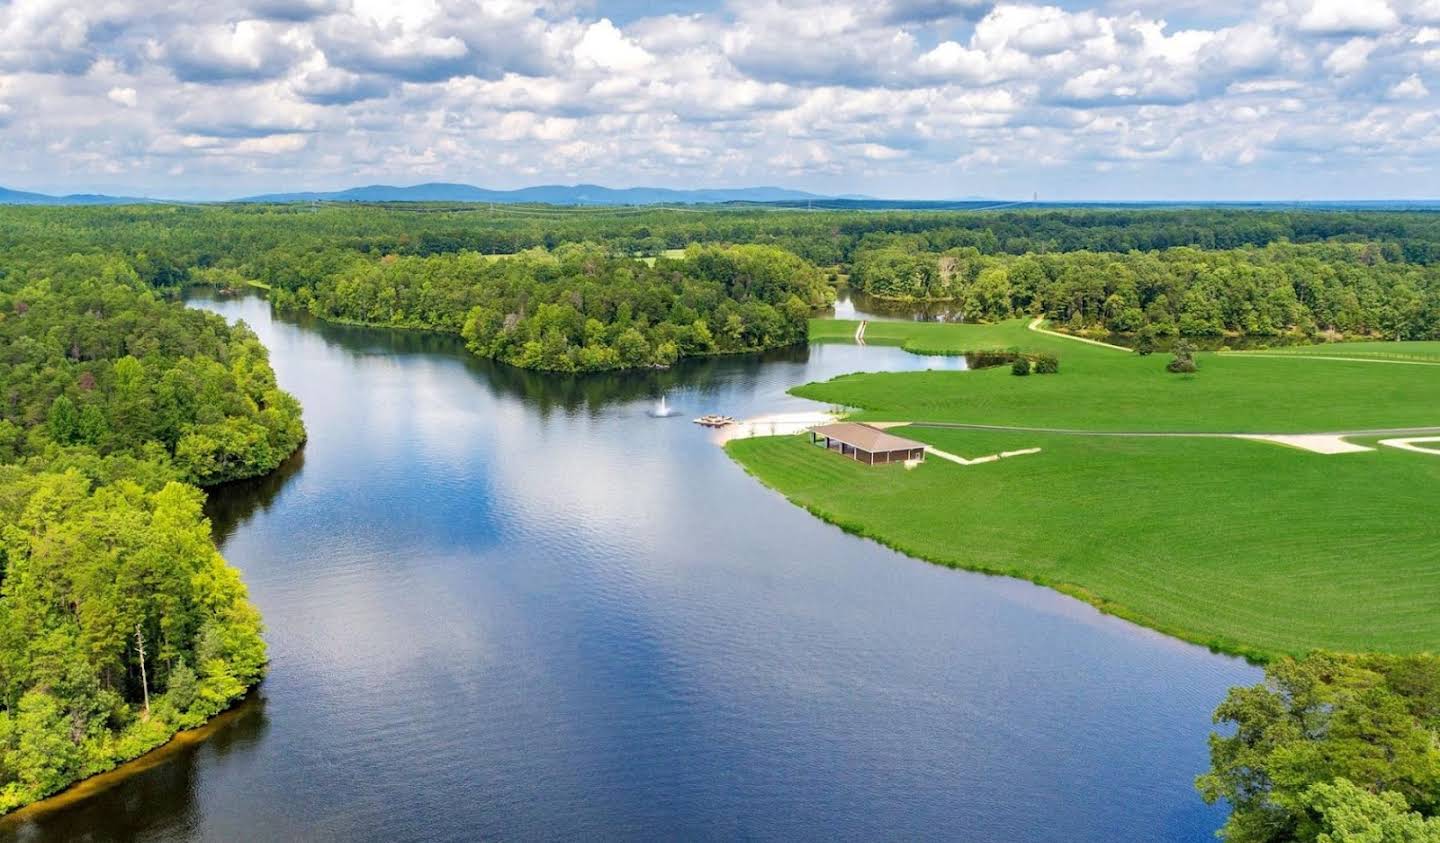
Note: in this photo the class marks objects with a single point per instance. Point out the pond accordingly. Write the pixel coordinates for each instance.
(507, 605)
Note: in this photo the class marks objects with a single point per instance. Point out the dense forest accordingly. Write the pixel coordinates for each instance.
(119, 621)
(556, 303)
(580, 309)
(173, 239)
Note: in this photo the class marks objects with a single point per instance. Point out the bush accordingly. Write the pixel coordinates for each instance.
(1145, 346)
(988, 357)
(1021, 366)
(1046, 364)
(1184, 362)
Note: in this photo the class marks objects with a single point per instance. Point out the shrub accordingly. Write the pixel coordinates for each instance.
(1021, 366)
(1145, 346)
(1184, 362)
(1046, 364)
(987, 357)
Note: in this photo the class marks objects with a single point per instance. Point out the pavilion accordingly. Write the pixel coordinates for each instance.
(867, 444)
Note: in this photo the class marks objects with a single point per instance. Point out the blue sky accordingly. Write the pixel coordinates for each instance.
(1267, 99)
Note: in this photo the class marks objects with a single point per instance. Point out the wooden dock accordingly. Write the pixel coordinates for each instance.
(715, 421)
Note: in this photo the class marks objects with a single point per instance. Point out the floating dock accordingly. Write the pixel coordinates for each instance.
(715, 421)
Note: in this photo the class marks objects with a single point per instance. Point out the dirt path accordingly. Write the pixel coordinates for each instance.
(1315, 443)
(946, 455)
(1040, 320)
(1174, 434)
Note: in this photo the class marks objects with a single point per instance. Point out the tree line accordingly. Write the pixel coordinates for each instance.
(167, 242)
(120, 623)
(1323, 289)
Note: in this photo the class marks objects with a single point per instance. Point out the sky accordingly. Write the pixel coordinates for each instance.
(921, 99)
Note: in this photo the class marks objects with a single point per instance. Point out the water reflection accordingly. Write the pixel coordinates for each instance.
(506, 605)
(851, 303)
(234, 503)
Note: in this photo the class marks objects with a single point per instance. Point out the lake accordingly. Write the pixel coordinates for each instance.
(507, 605)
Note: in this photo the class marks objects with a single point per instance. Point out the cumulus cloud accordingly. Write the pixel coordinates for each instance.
(249, 49)
(918, 97)
(1348, 17)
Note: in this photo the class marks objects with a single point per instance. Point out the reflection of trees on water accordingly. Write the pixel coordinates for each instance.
(231, 504)
(158, 800)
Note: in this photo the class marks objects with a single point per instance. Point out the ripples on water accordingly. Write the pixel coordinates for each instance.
(501, 604)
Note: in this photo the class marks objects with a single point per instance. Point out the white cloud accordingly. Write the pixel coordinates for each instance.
(1410, 88)
(1348, 17)
(124, 96)
(1350, 57)
(885, 96)
(605, 47)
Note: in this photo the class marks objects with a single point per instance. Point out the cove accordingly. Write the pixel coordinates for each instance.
(507, 605)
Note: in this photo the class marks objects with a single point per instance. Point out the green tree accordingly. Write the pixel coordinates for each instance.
(1373, 719)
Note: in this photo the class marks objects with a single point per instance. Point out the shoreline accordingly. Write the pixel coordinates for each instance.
(156, 756)
(1252, 655)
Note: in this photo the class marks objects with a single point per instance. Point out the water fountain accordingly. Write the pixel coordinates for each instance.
(662, 410)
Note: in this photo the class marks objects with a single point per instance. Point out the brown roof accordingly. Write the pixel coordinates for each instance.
(866, 438)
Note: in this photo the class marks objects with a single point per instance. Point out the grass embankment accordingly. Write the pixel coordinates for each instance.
(1244, 546)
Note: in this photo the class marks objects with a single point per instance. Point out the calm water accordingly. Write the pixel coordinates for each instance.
(854, 304)
(505, 605)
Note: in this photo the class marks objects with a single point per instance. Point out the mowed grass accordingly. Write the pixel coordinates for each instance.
(1416, 352)
(1104, 389)
(1247, 547)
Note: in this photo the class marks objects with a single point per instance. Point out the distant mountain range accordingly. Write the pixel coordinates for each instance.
(593, 195)
(20, 197)
(549, 194)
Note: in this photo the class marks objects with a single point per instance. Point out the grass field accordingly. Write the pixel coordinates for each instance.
(1103, 389)
(1420, 352)
(1244, 546)
(672, 254)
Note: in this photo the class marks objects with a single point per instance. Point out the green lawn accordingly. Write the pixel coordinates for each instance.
(1420, 352)
(1248, 547)
(672, 254)
(1104, 389)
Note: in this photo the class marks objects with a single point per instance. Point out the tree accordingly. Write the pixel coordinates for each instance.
(63, 422)
(1372, 719)
(1350, 814)
(633, 348)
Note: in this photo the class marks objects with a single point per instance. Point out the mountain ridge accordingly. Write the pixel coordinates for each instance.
(549, 194)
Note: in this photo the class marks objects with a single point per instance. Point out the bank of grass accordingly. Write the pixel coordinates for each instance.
(1242, 546)
(1246, 547)
(1103, 389)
